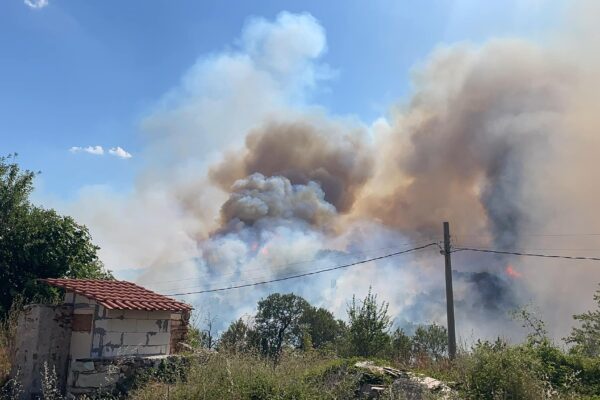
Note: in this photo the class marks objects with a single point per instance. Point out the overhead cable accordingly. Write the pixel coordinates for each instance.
(306, 273)
(281, 266)
(515, 253)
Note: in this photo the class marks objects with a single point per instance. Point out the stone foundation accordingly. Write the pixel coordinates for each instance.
(116, 376)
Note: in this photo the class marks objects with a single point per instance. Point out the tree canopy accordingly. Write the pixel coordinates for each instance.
(431, 340)
(276, 321)
(586, 337)
(36, 242)
(369, 324)
(283, 321)
(320, 326)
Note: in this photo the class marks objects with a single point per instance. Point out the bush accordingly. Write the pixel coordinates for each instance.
(431, 341)
(498, 371)
(401, 347)
(368, 326)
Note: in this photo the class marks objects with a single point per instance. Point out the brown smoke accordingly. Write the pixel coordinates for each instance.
(461, 149)
(337, 159)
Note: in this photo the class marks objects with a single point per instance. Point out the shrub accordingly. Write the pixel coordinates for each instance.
(499, 371)
(431, 341)
(369, 324)
(586, 337)
(401, 346)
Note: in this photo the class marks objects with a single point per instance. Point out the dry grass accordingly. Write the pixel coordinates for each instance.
(246, 376)
(5, 363)
(489, 372)
(7, 336)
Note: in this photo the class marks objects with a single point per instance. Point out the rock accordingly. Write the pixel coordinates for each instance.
(417, 387)
(407, 385)
(370, 391)
(185, 347)
(370, 366)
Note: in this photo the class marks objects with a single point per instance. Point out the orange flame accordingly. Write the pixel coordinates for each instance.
(512, 272)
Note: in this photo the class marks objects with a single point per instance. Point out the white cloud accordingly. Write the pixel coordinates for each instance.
(96, 150)
(119, 152)
(36, 4)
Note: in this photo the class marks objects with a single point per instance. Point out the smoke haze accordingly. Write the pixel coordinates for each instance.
(246, 180)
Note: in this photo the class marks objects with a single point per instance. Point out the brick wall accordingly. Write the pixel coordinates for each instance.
(179, 330)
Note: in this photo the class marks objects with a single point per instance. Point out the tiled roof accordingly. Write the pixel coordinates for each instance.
(119, 295)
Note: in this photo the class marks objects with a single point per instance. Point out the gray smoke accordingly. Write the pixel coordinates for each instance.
(257, 200)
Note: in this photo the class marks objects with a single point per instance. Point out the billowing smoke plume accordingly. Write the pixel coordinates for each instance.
(258, 200)
(335, 156)
(247, 181)
(464, 146)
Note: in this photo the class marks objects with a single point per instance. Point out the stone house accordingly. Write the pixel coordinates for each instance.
(98, 324)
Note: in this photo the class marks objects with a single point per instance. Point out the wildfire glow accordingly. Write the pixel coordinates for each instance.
(512, 272)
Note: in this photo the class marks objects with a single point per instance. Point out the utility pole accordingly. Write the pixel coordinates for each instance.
(449, 293)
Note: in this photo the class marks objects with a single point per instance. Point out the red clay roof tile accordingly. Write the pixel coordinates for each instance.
(119, 295)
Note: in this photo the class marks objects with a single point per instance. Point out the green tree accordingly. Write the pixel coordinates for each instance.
(37, 243)
(430, 340)
(321, 326)
(401, 345)
(238, 337)
(369, 324)
(537, 333)
(277, 322)
(586, 338)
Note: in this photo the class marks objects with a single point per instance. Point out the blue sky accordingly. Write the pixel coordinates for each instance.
(83, 73)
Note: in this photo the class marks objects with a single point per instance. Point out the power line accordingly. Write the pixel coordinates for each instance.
(515, 253)
(266, 273)
(222, 279)
(313, 260)
(530, 249)
(306, 273)
(163, 282)
(537, 235)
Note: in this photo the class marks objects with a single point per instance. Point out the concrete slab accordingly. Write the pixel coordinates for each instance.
(160, 339)
(136, 339)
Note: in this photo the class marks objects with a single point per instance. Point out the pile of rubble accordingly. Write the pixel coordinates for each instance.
(404, 384)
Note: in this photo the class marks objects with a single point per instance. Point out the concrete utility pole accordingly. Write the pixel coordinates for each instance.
(449, 293)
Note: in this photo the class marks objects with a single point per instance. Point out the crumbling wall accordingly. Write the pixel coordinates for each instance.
(43, 337)
(179, 329)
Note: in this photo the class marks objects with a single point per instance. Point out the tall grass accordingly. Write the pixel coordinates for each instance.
(8, 327)
(488, 371)
(248, 376)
